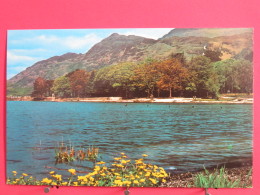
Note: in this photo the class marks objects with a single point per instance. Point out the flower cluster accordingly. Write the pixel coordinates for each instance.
(122, 172)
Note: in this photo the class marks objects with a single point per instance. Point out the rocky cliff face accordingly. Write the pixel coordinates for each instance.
(120, 48)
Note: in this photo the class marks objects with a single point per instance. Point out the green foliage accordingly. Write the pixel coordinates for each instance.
(202, 76)
(200, 71)
(18, 91)
(217, 179)
(235, 76)
(118, 76)
(61, 86)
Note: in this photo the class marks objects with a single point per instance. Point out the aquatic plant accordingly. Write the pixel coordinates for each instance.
(66, 154)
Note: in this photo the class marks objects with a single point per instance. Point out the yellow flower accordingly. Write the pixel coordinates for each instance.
(147, 174)
(52, 172)
(124, 156)
(72, 171)
(14, 172)
(75, 183)
(93, 173)
(117, 158)
(97, 168)
(101, 163)
(82, 178)
(132, 177)
(127, 183)
(122, 153)
(142, 180)
(24, 174)
(58, 177)
(96, 183)
(64, 183)
(119, 165)
(54, 183)
(139, 161)
(116, 174)
(118, 177)
(136, 182)
(46, 180)
(118, 182)
(163, 180)
(153, 180)
(103, 174)
(144, 155)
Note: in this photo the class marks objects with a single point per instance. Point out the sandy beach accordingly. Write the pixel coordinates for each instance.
(223, 99)
(158, 100)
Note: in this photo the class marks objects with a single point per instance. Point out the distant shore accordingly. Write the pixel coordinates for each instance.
(224, 100)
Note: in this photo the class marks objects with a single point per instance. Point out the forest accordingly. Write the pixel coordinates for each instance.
(205, 76)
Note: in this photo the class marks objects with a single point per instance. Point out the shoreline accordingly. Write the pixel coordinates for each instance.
(142, 100)
(184, 180)
(237, 170)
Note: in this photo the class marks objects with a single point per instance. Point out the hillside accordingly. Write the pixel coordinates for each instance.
(120, 48)
(206, 32)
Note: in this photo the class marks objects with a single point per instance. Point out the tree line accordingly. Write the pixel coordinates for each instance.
(201, 76)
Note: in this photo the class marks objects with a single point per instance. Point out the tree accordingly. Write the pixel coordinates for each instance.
(236, 76)
(39, 87)
(116, 79)
(213, 85)
(244, 70)
(200, 70)
(102, 82)
(146, 76)
(61, 87)
(173, 75)
(78, 82)
(49, 84)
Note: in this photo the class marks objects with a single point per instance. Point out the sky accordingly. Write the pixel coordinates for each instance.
(26, 47)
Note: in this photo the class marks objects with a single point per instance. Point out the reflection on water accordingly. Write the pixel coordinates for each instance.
(182, 136)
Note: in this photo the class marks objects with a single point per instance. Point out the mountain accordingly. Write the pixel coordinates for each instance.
(120, 48)
(206, 32)
(113, 49)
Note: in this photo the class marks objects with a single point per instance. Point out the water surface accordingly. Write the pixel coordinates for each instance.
(175, 136)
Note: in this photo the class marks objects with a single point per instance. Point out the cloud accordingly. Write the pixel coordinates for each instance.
(67, 43)
(153, 33)
(13, 59)
(84, 42)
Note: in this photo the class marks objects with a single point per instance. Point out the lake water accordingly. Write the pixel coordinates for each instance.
(175, 136)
